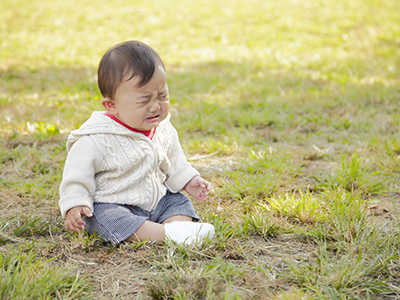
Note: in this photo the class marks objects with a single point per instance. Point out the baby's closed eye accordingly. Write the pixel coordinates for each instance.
(163, 97)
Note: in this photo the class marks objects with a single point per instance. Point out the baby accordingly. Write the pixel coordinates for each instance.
(125, 167)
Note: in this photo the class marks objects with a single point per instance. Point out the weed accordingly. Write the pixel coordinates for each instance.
(304, 208)
(84, 241)
(346, 221)
(136, 245)
(353, 178)
(5, 235)
(262, 223)
(31, 226)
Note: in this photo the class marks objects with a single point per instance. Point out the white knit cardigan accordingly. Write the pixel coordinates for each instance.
(109, 163)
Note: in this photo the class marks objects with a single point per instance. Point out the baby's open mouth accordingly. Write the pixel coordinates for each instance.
(153, 118)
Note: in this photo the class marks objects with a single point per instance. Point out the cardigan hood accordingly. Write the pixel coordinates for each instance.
(99, 123)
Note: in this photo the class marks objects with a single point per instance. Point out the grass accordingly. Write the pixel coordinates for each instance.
(23, 275)
(340, 276)
(289, 108)
(353, 178)
(303, 208)
(214, 280)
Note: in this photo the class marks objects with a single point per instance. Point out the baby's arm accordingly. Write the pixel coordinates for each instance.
(78, 184)
(181, 171)
(198, 187)
(74, 220)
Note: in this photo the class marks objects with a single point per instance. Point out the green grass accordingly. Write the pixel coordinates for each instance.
(338, 276)
(24, 276)
(288, 107)
(354, 178)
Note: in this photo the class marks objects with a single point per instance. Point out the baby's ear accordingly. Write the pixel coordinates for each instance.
(109, 105)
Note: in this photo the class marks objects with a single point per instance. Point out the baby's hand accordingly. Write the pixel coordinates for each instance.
(198, 188)
(74, 220)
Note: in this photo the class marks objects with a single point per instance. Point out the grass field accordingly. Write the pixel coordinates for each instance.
(290, 108)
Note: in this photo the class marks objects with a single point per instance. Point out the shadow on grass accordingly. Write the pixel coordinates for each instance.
(209, 97)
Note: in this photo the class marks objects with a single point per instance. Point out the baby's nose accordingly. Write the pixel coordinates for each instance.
(155, 107)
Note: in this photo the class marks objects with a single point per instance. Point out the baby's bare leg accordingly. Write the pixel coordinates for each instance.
(178, 218)
(175, 231)
(151, 231)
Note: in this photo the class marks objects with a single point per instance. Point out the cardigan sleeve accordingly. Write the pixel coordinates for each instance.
(181, 171)
(78, 184)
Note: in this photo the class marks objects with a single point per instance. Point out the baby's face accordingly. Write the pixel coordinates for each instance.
(143, 108)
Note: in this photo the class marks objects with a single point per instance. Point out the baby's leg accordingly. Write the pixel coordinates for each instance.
(176, 214)
(117, 223)
(178, 218)
(157, 233)
(151, 231)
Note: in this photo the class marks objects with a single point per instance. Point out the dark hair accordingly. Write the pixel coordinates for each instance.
(126, 60)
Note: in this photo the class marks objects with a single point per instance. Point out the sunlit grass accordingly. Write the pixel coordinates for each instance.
(264, 53)
(302, 207)
(263, 223)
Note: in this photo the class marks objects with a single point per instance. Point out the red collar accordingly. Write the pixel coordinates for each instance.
(149, 133)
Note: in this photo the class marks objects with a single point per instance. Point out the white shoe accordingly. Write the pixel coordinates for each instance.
(179, 234)
(189, 233)
(203, 230)
(200, 230)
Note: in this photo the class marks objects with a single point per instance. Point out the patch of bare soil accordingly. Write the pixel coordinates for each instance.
(385, 210)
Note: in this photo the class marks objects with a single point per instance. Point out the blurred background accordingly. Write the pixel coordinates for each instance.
(230, 63)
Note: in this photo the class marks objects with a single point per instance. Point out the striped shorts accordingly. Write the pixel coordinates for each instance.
(116, 222)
